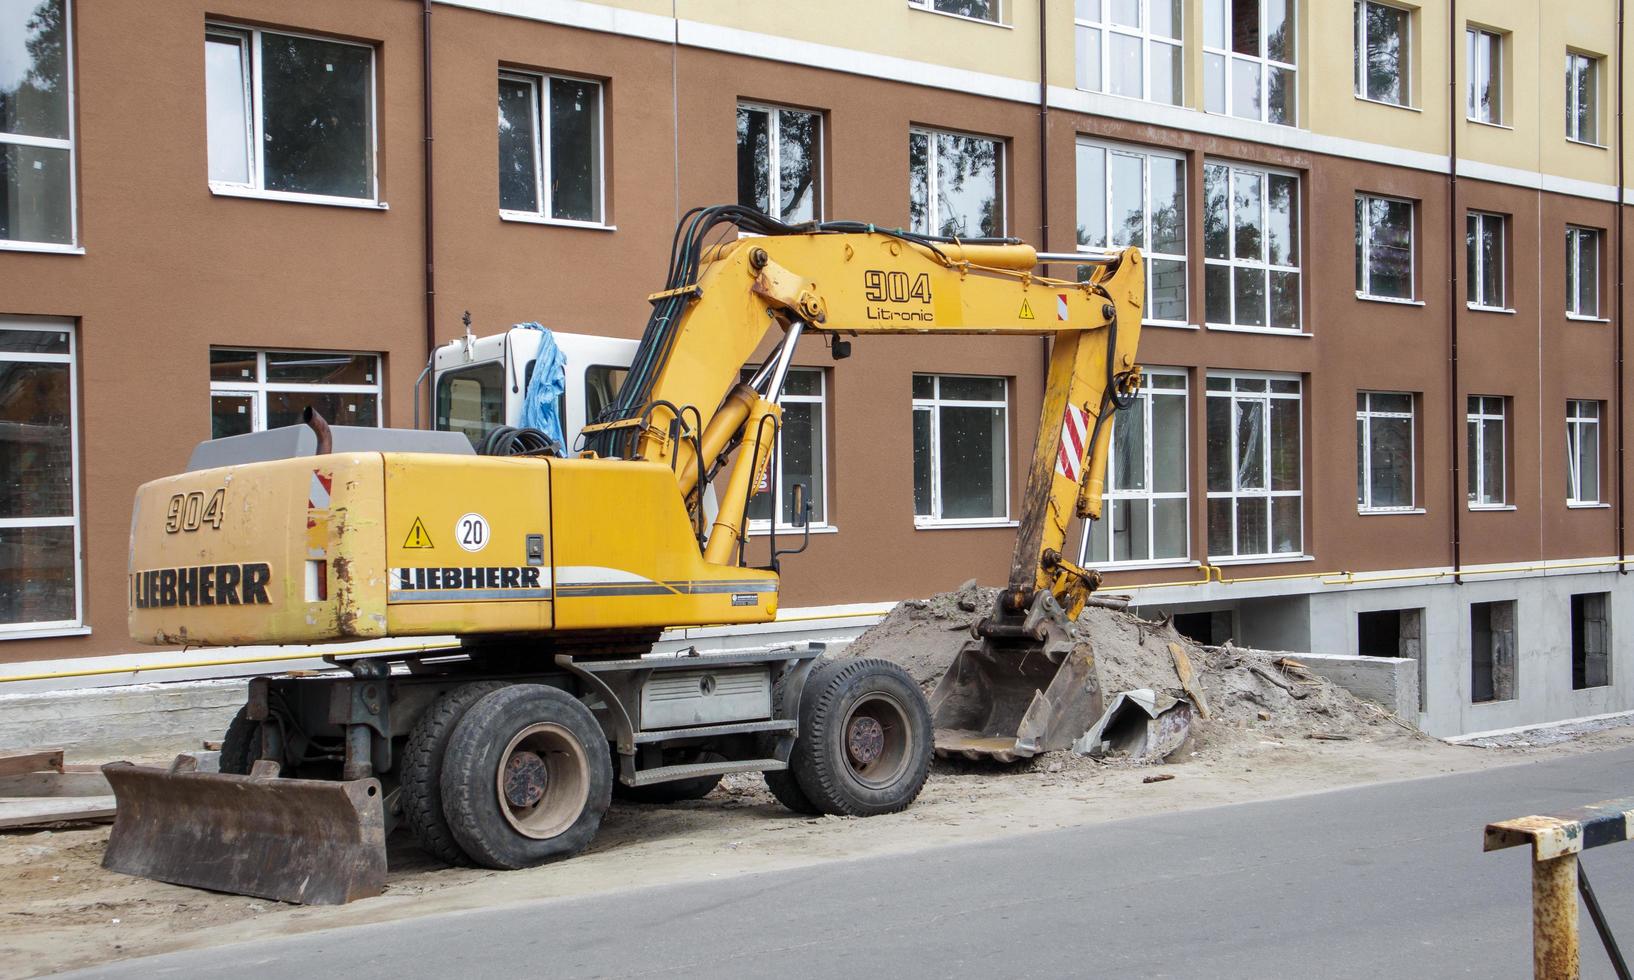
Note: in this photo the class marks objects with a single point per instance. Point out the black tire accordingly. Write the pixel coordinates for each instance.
(420, 769)
(677, 791)
(560, 777)
(782, 784)
(867, 735)
(241, 746)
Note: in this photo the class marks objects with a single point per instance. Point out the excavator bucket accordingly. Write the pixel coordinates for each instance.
(306, 841)
(1017, 691)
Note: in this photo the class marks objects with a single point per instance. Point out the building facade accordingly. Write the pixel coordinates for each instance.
(1385, 380)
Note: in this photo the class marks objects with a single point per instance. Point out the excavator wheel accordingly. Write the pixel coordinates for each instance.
(526, 778)
(241, 746)
(782, 784)
(866, 730)
(421, 766)
(675, 791)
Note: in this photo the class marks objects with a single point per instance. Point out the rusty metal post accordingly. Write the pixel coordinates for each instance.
(1554, 918)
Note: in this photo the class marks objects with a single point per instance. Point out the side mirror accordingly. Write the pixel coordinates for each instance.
(801, 507)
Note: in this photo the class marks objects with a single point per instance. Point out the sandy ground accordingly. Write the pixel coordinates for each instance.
(59, 909)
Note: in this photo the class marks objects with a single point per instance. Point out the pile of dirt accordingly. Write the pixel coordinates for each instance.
(1253, 696)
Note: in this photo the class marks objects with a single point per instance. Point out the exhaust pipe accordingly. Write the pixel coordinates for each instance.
(320, 428)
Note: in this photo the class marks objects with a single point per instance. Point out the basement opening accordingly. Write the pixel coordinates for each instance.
(1591, 640)
(1492, 651)
(1393, 633)
(1210, 628)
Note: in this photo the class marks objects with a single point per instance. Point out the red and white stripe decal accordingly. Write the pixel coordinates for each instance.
(1061, 306)
(1074, 432)
(317, 496)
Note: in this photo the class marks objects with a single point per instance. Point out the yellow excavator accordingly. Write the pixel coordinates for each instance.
(557, 571)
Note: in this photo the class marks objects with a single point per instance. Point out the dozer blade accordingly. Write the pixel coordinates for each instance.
(307, 841)
(1008, 698)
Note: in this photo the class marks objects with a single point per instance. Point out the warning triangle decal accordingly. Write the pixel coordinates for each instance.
(417, 536)
(1026, 309)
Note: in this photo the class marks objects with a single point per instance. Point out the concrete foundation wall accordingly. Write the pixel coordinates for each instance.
(1390, 682)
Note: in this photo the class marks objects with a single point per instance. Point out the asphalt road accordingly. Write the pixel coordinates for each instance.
(1383, 881)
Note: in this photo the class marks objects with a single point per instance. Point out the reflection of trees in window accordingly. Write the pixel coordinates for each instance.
(979, 9)
(787, 142)
(1381, 52)
(35, 103)
(954, 185)
(315, 115)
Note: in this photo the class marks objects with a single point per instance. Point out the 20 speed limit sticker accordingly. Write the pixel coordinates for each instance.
(471, 531)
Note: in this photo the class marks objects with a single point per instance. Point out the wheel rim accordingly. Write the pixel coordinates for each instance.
(543, 780)
(876, 740)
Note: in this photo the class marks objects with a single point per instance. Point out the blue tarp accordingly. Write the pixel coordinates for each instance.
(541, 403)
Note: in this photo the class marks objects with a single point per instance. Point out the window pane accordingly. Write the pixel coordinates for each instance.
(1251, 525)
(971, 449)
(921, 462)
(231, 415)
(1245, 88)
(1217, 294)
(1285, 447)
(1214, 83)
(919, 182)
(1168, 284)
(1219, 526)
(1489, 106)
(1285, 300)
(226, 110)
(35, 195)
(1215, 14)
(1245, 27)
(1125, 13)
(1472, 257)
(285, 407)
(979, 9)
(1492, 261)
(1287, 534)
(34, 341)
(1279, 31)
(36, 450)
(1247, 189)
(1585, 106)
(1492, 460)
(1129, 448)
(1127, 221)
(1279, 96)
(34, 68)
(1124, 69)
(1472, 464)
(1250, 461)
(1216, 219)
(518, 184)
(754, 158)
(956, 388)
(1168, 192)
(471, 401)
(798, 153)
(1219, 444)
(1386, 66)
(1167, 86)
(316, 116)
(1166, 18)
(1089, 59)
(1390, 253)
(1095, 544)
(37, 574)
(1588, 273)
(1282, 224)
(1168, 444)
(1387, 402)
(1091, 196)
(967, 180)
(1169, 528)
(1361, 460)
(232, 365)
(1391, 456)
(803, 382)
(575, 150)
(802, 457)
(287, 367)
(924, 386)
(1249, 291)
(1131, 537)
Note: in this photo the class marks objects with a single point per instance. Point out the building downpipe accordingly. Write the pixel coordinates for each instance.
(428, 232)
(1454, 416)
(1044, 150)
(1622, 499)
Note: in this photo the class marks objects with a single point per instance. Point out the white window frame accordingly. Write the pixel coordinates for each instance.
(1473, 48)
(259, 388)
(1358, 59)
(1147, 39)
(1575, 235)
(929, 6)
(1582, 423)
(774, 154)
(1365, 414)
(1573, 134)
(1113, 492)
(1478, 272)
(1366, 229)
(1145, 155)
(71, 144)
(1001, 170)
(761, 525)
(537, 83)
(1232, 263)
(1265, 62)
(76, 625)
(934, 405)
(251, 38)
(1480, 416)
(1268, 494)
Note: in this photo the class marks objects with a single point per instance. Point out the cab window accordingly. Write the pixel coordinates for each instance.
(471, 401)
(601, 385)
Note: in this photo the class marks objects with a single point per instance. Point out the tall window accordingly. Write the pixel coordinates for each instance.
(1483, 94)
(255, 390)
(1487, 450)
(1129, 197)
(960, 449)
(955, 184)
(1582, 452)
(550, 159)
(801, 448)
(1383, 52)
(1249, 59)
(1254, 466)
(1250, 247)
(1582, 271)
(1591, 640)
(36, 124)
(1131, 48)
(1143, 515)
(1485, 242)
(1582, 98)
(780, 161)
(974, 9)
(289, 114)
(39, 502)
(1384, 247)
(1384, 450)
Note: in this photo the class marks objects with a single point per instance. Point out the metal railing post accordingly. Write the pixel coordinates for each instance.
(1554, 918)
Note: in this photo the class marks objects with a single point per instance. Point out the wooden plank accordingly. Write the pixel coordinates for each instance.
(54, 784)
(17, 763)
(32, 811)
(1188, 679)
